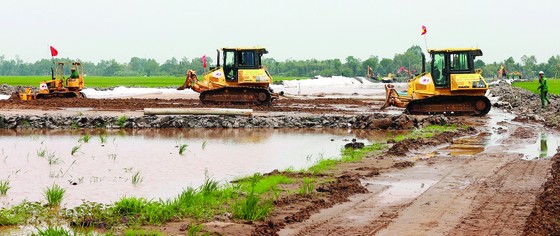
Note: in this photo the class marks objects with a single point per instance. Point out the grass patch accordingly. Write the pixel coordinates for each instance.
(102, 81)
(53, 231)
(75, 149)
(138, 232)
(52, 158)
(251, 207)
(54, 195)
(85, 138)
(20, 214)
(103, 138)
(348, 155)
(114, 81)
(136, 178)
(42, 152)
(4, 187)
(553, 86)
(307, 187)
(263, 184)
(182, 148)
(426, 132)
(121, 122)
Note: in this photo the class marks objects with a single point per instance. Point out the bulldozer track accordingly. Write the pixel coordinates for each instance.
(457, 105)
(252, 95)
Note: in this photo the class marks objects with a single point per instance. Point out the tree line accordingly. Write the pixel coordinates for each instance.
(351, 66)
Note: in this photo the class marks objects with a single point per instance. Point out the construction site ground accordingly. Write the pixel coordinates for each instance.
(477, 181)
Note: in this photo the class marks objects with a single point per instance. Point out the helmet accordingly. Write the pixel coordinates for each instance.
(541, 72)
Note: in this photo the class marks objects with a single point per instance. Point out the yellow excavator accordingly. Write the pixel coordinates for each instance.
(452, 86)
(59, 86)
(241, 78)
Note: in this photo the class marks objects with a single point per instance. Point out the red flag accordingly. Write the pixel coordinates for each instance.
(54, 52)
(424, 31)
(203, 59)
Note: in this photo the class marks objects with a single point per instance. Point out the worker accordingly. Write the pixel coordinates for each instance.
(543, 87)
(74, 74)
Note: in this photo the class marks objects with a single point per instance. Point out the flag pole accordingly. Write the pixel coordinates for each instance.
(426, 42)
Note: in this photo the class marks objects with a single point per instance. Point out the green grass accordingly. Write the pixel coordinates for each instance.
(4, 187)
(253, 206)
(54, 195)
(101, 81)
(20, 213)
(307, 187)
(137, 178)
(114, 81)
(53, 231)
(263, 184)
(121, 122)
(103, 138)
(141, 232)
(182, 148)
(85, 138)
(426, 132)
(75, 149)
(553, 86)
(348, 155)
(42, 152)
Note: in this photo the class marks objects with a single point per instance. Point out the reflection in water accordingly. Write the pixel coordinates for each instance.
(544, 146)
(103, 167)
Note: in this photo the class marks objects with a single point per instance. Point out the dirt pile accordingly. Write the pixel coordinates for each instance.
(527, 105)
(545, 217)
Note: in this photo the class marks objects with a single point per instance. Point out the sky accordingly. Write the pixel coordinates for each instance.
(290, 29)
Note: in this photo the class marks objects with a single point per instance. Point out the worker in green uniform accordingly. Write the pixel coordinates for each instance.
(544, 89)
(74, 74)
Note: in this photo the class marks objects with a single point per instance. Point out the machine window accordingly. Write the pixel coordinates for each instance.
(438, 65)
(247, 59)
(229, 59)
(459, 62)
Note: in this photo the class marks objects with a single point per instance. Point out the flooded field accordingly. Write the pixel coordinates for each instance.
(152, 163)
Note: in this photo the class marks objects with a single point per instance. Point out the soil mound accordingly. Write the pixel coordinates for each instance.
(545, 217)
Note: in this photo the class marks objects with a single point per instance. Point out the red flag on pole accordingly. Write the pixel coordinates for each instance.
(424, 31)
(54, 52)
(203, 59)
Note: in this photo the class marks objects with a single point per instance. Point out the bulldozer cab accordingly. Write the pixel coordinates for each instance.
(236, 59)
(447, 62)
(63, 74)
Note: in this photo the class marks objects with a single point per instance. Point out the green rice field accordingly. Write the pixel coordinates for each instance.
(113, 81)
(553, 86)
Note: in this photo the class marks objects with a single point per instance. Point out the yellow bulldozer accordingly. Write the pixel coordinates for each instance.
(241, 78)
(58, 86)
(452, 86)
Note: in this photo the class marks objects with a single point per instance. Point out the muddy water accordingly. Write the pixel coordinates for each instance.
(545, 145)
(103, 170)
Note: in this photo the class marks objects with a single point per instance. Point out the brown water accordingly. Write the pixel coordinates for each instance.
(103, 171)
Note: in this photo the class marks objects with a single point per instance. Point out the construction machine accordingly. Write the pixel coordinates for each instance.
(390, 78)
(241, 78)
(59, 86)
(452, 86)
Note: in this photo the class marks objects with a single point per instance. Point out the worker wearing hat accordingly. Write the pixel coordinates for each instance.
(544, 89)
(74, 74)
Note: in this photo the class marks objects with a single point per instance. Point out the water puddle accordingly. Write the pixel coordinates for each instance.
(103, 169)
(403, 186)
(544, 147)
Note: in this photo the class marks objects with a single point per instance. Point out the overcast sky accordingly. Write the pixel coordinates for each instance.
(290, 29)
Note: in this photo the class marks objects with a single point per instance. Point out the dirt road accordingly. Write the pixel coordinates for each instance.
(489, 193)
